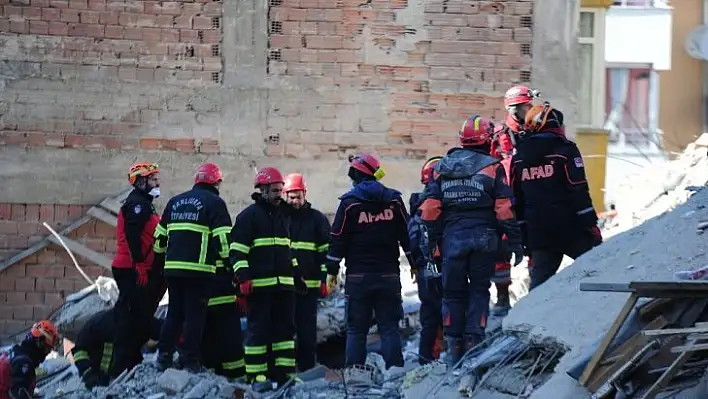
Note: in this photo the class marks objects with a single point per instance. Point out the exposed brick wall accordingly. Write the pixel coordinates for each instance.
(75, 58)
(34, 287)
(405, 75)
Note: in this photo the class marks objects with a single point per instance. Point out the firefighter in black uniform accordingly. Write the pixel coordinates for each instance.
(194, 234)
(17, 366)
(309, 232)
(552, 194)
(93, 350)
(267, 273)
(222, 342)
(370, 227)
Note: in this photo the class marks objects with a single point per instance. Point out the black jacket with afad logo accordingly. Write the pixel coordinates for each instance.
(260, 246)
(370, 226)
(551, 192)
(193, 232)
(310, 235)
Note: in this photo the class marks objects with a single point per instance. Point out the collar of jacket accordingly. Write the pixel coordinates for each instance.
(206, 187)
(143, 194)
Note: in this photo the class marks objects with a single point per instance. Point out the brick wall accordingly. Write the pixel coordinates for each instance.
(404, 75)
(36, 286)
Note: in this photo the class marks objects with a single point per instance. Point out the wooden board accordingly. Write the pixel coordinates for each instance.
(647, 286)
(102, 215)
(42, 244)
(607, 341)
(605, 287)
(79, 249)
(672, 331)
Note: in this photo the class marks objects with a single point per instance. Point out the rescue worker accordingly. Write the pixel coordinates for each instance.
(370, 224)
(17, 366)
(309, 232)
(222, 341)
(467, 208)
(194, 235)
(93, 350)
(503, 148)
(429, 289)
(132, 266)
(552, 195)
(267, 274)
(518, 100)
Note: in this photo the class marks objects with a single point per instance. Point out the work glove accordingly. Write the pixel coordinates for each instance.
(518, 251)
(242, 304)
(324, 292)
(596, 235)
(331, 283)
(93, 378)
(142, 276)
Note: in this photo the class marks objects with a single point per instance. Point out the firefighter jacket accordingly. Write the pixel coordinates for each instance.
(470, 197)
(309, 232)
(551, 192)
(260, 246)
(93, 349)
(17, 370)
(369, 228)
(194, 232)
(135, 232)
(223, 290)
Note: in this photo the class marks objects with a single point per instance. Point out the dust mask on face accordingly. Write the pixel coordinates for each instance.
(155, 192)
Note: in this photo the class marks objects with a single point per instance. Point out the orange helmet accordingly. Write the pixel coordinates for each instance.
(476, 131)
(544, 118)
(367, 164)
(294, 182)
(267, 176)
(518, 95)
(427, 172)
(45, 331)
(209, 173)
(141, 169)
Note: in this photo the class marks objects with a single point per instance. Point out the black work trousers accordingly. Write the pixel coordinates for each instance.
(134, 311)
(222, 342)
(270, 339)
(306, 322)
(545, 262)
(186, 313)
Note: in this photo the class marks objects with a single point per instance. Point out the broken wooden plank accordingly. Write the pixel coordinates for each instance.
(672, 331)
(607, 341)
(646, 286)
(652, 306)
(42, 244)
(666, 377)
(113, 204)
(605, 287)
(102, 215)
(85, 252)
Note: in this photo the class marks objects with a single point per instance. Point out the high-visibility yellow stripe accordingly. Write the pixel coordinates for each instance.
(312, 283)
(160, 231)
(255, 350)
(225, 230)
(323, 248)
(199, 267)
(283, 345)
(284, 362)
(476, 123)
(221, 300)
(233, 365)
(256, 368)
(81, 355)
(106, 357)
(242, 264)
(265, 282)
(271, 241)
(237, 246)
(188, 227)
(303, 245)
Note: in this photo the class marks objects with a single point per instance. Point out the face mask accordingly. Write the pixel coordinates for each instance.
(155, 192)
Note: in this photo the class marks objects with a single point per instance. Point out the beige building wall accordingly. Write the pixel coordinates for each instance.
(681, 87)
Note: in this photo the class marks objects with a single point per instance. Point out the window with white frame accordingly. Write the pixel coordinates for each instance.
(591, 67)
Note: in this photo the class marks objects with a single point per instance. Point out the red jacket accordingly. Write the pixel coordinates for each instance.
(135, 231)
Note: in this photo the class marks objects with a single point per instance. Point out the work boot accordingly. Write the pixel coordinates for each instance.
(454, 351)
(501, 308)
(471, 341)
(261, 384)
(163, 361)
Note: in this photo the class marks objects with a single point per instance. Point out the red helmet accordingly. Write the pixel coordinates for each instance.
(294, 182)
(519, 95)
(427, 171)
(45, 331)
(476, 131)
(266, 176)
(367, 164)
(208, 173)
